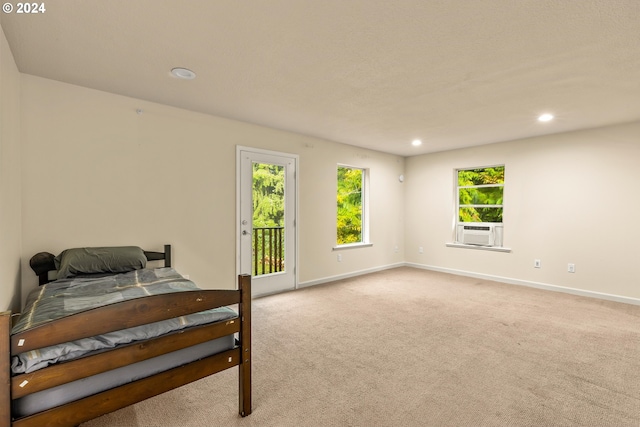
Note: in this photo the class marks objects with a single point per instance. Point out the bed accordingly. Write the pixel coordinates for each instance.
(96, 338)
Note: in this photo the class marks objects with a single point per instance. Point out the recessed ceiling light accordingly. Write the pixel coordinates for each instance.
(546, 117)
(183, 73)
(416, 142)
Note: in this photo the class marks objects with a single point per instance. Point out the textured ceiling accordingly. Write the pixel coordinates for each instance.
(371, 73)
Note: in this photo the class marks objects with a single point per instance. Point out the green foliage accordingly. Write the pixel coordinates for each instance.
(481, 176)
(268, 195)
(349, 203)
(490, 194)
(268, 212)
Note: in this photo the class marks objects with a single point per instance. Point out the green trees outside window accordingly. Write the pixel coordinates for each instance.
(480, 194)
(268, 195)
(350, 206)
(268, 219)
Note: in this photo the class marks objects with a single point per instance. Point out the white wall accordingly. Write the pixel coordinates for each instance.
(569, 198)
(10, 182)
(96, 173)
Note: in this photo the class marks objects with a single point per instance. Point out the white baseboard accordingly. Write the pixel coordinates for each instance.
(509, 280)
(348, 275)
(538, 285)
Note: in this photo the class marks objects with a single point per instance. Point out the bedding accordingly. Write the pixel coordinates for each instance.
(116, 259)
(68, 296)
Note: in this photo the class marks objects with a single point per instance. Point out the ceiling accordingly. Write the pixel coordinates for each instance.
(370, 73)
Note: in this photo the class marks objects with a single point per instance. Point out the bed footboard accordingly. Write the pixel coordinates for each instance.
(244, 392)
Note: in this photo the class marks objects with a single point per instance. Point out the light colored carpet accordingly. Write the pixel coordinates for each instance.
(409, 347)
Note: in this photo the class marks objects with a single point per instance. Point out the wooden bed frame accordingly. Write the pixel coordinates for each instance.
(121, 315)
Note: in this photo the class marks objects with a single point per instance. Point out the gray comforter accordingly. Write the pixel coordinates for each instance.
(68, 296)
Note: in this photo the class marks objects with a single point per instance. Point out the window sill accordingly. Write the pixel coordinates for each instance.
(352, 246)
(482, 248)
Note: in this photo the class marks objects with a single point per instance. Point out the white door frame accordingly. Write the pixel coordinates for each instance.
(239, 226)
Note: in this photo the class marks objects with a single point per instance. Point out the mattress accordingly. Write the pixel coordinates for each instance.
(69, 296)
(55, 396)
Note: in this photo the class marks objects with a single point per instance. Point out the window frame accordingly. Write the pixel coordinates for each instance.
(364, 215)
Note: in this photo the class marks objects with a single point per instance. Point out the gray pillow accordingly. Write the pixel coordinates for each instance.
(117, 259)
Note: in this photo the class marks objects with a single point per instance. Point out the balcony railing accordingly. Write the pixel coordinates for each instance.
(268, 250)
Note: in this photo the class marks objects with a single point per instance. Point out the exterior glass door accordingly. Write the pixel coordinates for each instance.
(267, 208)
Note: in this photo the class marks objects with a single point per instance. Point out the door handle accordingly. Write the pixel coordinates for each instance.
(245, 232)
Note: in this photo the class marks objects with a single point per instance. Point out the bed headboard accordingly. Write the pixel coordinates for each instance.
(43, 262)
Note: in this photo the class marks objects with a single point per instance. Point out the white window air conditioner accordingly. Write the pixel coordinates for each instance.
(480, 234)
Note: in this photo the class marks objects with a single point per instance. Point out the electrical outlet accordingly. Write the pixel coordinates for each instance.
(339, 257)
(536, 263)
(571, 268)
(420, 250)
(396, 249)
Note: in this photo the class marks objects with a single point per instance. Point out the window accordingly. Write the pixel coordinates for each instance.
(351, 206)
(480, 194)
(479, 206)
